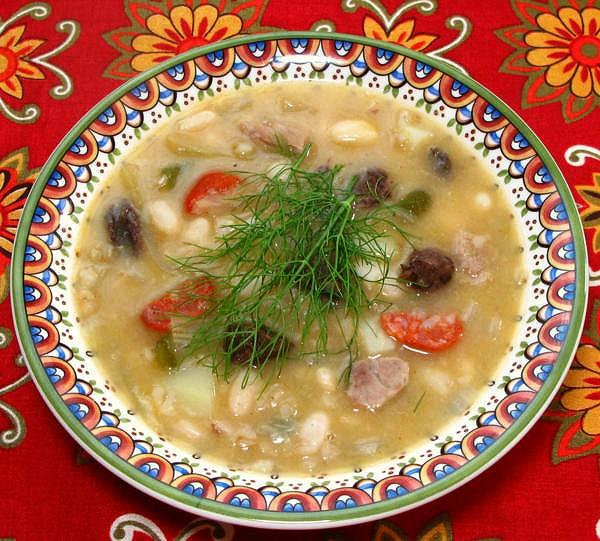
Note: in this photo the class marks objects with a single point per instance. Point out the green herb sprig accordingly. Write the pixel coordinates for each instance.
(291, 260)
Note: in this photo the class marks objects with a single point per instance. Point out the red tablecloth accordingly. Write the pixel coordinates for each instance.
(58, 58)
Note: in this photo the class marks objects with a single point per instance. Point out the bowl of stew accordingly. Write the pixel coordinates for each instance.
(299, 280)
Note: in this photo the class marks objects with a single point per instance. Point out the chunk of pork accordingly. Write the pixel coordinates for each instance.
(472, 255)
(274, 135)
(375, 381)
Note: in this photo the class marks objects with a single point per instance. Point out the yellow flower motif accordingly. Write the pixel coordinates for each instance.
(182, 30)
(401, 34)
(584, 388)
(13, 65)
(569, 46)
(591, 215)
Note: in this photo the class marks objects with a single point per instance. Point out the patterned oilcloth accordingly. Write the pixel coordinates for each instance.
(58, 58)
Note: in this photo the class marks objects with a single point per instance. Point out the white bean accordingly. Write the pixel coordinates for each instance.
(326, 378)
(163, 217)
(241, 401)
(313, 432)
(196, 122)
(198, 231)
(483, 200)
(353, 132)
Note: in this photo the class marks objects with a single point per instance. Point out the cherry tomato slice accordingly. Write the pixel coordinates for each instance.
(191, 299)
(209, 184)
(423, 332)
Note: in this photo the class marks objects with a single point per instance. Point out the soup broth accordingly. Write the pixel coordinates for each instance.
(352, 403)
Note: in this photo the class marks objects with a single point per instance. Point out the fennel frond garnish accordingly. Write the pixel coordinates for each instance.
(288, 271)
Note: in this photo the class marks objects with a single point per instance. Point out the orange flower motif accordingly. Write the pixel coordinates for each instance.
(584, 388)
(182, 30)
(401, 34)
(568, 46)
(13, 63)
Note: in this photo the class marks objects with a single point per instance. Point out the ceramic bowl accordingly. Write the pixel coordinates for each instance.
(98, 418)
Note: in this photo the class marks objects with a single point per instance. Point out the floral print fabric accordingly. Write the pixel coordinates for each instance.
(548, 55)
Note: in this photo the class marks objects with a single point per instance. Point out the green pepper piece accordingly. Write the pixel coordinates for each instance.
(164, 352)
(168, 177)
(415, 202)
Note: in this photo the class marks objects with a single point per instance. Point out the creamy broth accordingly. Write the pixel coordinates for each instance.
(304, 420)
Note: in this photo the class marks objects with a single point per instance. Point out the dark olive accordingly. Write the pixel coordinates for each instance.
(440, 162)
(123, 225)
(427, 269)
(248, 344)
(371, 188)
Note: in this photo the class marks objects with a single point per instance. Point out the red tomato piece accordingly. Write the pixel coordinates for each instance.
(423, 332)
(191, 299)
(209, 184)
